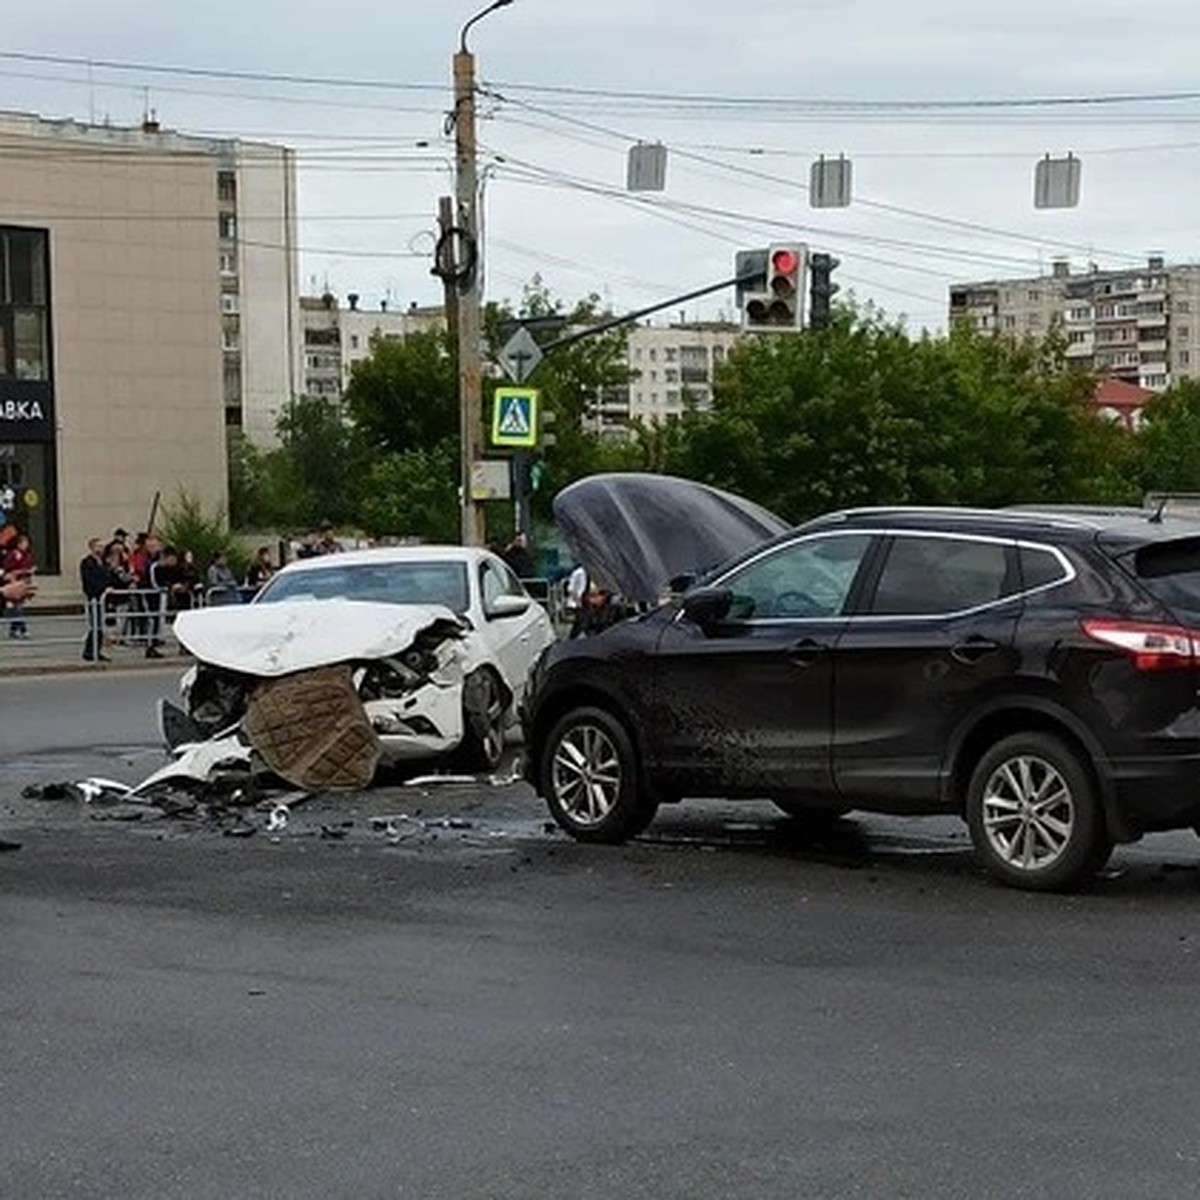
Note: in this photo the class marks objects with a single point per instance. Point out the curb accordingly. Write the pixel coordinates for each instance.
(63, 667)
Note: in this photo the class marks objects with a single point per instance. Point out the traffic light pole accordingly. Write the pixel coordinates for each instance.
(616, 322)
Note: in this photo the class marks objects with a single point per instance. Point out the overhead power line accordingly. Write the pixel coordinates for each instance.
(690, 99)
(332, 81)
(826, 104)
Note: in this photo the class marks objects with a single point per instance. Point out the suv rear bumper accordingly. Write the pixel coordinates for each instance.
(1156, 793)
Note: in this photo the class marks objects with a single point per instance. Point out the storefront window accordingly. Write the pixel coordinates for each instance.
(27, 478)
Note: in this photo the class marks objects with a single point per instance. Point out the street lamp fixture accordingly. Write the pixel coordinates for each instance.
(462, 37)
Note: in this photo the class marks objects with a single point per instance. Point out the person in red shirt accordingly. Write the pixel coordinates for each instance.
(19, 564)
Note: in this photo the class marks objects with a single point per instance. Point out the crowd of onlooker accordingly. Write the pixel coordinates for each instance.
(136, 585)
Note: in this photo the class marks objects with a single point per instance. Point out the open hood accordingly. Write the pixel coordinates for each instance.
(636, 532)
(269, 640)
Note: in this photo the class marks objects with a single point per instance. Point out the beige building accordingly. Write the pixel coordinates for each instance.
(128, 259)
(1139, 325)
(336, 337)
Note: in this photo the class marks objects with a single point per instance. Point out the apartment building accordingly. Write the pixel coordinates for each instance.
(1140, 325)
(672, 366)
(337, 337)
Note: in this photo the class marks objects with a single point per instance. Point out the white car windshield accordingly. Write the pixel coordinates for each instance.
(384, 582)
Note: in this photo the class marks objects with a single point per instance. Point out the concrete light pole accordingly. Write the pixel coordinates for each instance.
(470, 324)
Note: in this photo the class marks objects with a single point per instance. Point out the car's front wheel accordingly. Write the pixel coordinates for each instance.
(485, 714)
(1034, 813)
(589, 778)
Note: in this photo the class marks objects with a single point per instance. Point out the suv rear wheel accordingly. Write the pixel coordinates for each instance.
(1034, 815)
(589, 778)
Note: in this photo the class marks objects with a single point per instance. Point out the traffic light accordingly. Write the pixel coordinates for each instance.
(821, 289)
(780, 305)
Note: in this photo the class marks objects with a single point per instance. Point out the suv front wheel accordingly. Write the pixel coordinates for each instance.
(590, 779)
(1034, 815)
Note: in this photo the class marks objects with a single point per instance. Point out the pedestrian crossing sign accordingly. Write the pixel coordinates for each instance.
(514, 416)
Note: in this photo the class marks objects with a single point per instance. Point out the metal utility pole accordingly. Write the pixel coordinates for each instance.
(470, 323)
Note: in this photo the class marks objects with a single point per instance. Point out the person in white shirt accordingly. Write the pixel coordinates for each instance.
(577, 584)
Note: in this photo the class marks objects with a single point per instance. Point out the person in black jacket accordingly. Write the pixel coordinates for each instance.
(95, 579)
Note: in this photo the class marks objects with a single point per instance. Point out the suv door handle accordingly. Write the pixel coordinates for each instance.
(973, 649)
(806, 652)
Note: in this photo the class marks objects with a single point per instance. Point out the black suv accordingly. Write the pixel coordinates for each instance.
(1033, 672)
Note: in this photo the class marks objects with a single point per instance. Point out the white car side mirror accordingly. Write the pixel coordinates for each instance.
(508, 606)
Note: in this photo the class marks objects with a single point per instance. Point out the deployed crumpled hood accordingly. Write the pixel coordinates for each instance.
(276, 639)
(635, 532)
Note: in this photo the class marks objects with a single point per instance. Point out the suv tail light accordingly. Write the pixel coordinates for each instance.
(1152, 647)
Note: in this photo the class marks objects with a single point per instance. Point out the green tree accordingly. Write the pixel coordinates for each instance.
(862, 413)
(404, 396)
(1170, 440)
(414, 494)
(315, 472)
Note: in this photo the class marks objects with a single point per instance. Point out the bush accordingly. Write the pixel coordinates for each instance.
(186, 526)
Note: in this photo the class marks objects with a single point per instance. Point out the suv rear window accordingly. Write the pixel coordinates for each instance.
(1171, 572)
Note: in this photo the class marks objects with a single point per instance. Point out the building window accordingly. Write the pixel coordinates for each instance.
(226, 186)
(1185, 358)
(228, 263)
(24, 342)
(1184, 332)
(1183, 306)
(227, 224)
(669, 354)
(229, 302)
(1034, 296)
(354, 341)
(229, 339)
(1010, 322)
(653, 355)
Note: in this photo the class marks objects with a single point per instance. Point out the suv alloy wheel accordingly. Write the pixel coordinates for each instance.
(1034, 815)
(589, 771)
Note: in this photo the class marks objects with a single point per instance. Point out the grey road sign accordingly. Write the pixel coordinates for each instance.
(647, 170)
(1056, 182)
(520, 355)
(829, 183)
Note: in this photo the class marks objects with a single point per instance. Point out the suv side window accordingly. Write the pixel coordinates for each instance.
(935, 576)
(802, 580)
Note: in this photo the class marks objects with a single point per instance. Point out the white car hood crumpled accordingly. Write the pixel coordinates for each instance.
(270, 640)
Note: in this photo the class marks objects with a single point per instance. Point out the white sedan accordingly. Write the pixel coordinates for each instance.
(440, 641)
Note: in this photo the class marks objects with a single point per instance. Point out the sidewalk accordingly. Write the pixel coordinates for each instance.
(55, 646)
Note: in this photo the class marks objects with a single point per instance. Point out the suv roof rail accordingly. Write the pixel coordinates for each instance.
(1014, 513)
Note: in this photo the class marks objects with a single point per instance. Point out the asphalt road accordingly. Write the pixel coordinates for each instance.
(464, 1004)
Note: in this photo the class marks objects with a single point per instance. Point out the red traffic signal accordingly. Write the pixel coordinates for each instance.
(785, 262)
(777, 303)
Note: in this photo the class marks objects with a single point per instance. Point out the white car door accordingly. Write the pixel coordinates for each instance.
(516, 639)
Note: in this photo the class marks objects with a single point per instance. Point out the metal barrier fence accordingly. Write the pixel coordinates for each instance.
(125, 623)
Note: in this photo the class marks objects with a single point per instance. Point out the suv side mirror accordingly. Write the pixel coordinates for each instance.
(707, 605)
(508, 606)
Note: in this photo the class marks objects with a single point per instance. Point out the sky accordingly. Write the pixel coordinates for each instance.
(941, 105)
